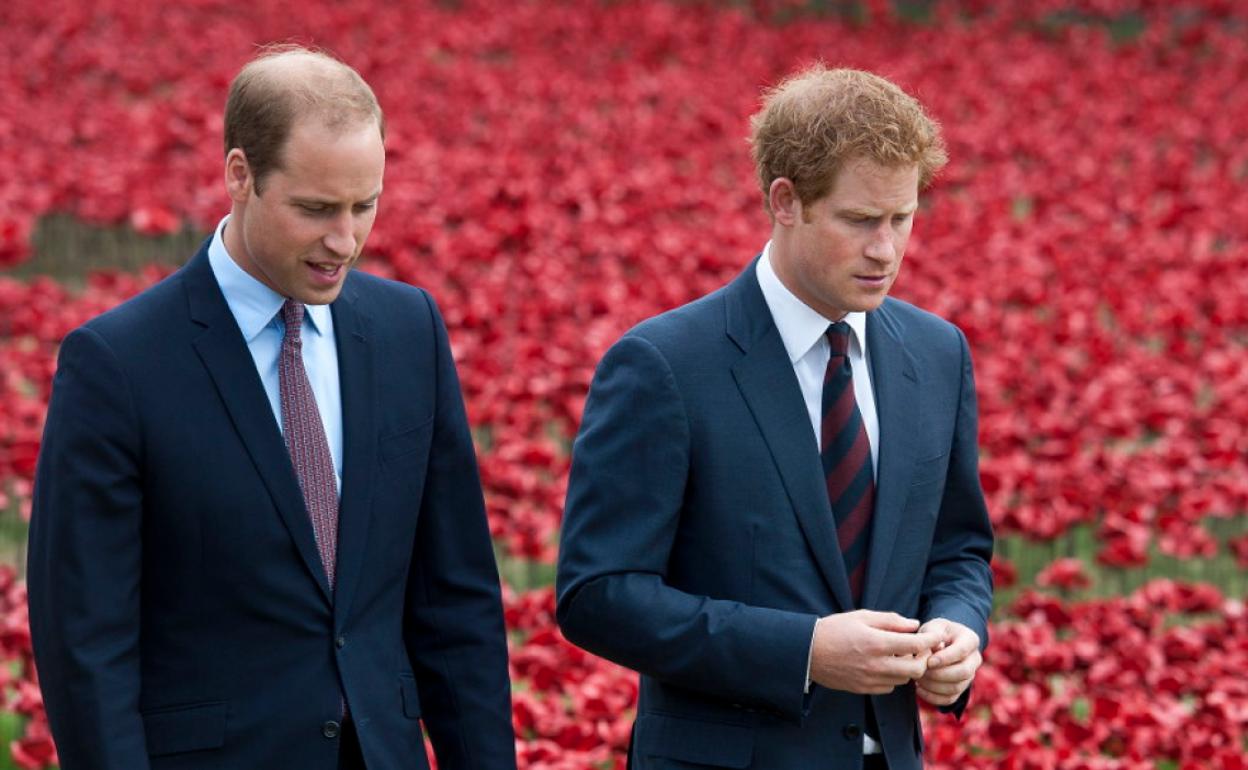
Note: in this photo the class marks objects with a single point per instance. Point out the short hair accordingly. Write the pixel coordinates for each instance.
(282, 84)
(817, 119)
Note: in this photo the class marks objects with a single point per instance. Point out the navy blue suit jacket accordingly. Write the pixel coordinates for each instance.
(180, 612)
(698, 541)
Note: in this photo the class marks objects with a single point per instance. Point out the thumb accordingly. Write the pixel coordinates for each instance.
(888, 621)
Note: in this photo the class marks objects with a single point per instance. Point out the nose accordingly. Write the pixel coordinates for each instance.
(881, 247)
(340, 238)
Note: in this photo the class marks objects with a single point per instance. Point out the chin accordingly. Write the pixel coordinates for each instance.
(867, 305)
(319, 297)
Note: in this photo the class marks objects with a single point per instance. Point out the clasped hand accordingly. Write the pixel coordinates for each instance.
(870, 653)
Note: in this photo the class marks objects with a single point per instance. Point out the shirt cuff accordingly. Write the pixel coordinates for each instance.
(810, 656)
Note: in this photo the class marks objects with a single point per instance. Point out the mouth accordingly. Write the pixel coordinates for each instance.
(326, 272)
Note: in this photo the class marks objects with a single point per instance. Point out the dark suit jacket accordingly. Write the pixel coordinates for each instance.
(180, 612)
(698, 541)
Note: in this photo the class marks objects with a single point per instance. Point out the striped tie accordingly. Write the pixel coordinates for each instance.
(846, 456)
(305, 440)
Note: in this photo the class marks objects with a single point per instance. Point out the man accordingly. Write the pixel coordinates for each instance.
(774, 511)
(258, 537)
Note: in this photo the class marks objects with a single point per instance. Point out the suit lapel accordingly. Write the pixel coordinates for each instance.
(897, 398)
(356, 375)
(767, 383)
(224, 353)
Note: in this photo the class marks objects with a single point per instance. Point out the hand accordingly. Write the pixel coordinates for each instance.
(952, 664)
(869, 652)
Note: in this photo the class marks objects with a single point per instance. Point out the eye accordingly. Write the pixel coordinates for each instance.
(313, 209)
(901, 219)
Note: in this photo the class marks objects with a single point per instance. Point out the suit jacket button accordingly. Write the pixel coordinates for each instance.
(852, 732)
(331, 729)
(340, 642)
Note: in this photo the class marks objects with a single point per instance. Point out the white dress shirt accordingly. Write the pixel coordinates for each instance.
(803, 332)
(257, 309)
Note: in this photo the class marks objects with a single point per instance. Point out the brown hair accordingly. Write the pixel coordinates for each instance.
(817, 119)
(282, 84)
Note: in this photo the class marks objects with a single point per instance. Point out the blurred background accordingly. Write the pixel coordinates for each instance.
(558, 171)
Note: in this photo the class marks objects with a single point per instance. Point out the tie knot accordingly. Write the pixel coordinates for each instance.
(292, 316)
(838, 338)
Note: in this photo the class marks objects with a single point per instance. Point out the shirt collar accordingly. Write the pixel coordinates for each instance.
(253, 304)
(799, 325)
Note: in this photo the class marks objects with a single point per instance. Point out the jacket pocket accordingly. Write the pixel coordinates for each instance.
(405, 442)
(411, 696)
(930, 470)
(177, 729)
(713, 744)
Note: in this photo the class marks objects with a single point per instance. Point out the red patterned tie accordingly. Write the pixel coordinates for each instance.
(305, 439)
(846, 456)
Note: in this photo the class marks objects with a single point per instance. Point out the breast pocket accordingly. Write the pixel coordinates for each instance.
(930, 470)
(407, 448)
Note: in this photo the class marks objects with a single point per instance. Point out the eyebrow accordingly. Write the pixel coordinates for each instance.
(315, 201)
(870, 214)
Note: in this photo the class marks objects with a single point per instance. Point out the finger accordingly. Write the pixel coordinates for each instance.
(953, 687)
(936, 699)
(895, 677)
(916, 644)
(924, 643)
(873, 684)
(888, 621)
(948, 675)
(962, 671)
(964, 647)
(955, 655)
(901, 668)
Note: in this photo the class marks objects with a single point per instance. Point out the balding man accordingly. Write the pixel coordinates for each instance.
(258, 538)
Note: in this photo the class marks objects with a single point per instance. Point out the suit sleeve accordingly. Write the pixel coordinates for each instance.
(85, 561)
(454, 627)
(630, 464)
(958, 582)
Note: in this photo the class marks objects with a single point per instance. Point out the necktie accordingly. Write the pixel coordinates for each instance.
(846, 455)
(305, 439)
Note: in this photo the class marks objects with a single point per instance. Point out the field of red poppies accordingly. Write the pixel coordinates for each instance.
(560, 170)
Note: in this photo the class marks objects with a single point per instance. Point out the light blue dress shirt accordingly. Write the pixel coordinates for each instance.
(257, 309)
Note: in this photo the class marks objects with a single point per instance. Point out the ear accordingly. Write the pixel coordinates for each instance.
(239, 183)
(786, 207)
